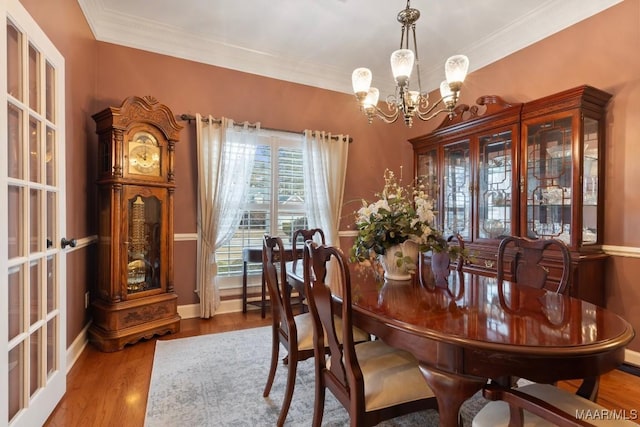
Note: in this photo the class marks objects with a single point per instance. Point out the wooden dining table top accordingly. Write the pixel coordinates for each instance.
(470, 329)
(472, 310)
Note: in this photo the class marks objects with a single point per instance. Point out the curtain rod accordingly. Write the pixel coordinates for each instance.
(190, 118)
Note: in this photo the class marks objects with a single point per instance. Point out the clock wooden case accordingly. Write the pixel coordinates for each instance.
(134, 297)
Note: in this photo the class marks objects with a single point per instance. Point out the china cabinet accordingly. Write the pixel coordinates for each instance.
(134, 297)
(532, 169)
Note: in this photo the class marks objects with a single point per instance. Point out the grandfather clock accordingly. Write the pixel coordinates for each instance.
(134, 297)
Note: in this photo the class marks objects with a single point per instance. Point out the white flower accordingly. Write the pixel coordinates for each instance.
(399, 214)
(381, 204)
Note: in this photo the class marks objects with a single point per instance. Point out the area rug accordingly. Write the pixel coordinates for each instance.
(218, 379)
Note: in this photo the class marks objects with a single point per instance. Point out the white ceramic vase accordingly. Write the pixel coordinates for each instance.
(390, 259)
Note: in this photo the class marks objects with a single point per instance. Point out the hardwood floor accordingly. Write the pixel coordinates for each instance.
(110, 389)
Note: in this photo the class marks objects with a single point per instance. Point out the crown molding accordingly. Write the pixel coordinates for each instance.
(111, 26)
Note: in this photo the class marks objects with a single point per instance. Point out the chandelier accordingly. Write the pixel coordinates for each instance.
(406, 102)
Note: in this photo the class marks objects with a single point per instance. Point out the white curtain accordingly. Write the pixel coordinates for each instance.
(325, 163)
(225, 160)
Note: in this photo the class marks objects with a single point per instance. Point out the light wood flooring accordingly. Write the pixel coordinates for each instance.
(110, 389)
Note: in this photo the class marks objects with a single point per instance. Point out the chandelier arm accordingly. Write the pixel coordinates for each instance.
(430, 114)
(387, 117)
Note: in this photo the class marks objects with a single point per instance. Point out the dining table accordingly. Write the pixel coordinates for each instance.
(467, 329)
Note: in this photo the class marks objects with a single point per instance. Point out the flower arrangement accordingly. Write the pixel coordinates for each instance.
(401, 213)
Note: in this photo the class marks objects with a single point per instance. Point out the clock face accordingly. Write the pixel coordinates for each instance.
(144, 154)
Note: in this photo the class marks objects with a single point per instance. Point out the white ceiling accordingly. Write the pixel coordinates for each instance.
(320, 42)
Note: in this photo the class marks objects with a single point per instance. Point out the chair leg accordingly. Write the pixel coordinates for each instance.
(275, 354)
(318, 405)
(288, 393)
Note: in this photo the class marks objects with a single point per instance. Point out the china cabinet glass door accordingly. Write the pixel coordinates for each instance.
(427, 172)
(590, 183)
(456, 205)
(495, 185)
(549, 179)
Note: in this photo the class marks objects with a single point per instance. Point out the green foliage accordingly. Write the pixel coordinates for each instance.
(399, 214)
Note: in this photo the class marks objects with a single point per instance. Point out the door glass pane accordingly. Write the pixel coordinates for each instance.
(52, 349)
(51, 284)
(35, 213)
(51, 236)
(16, 379)
(50, 160)
(34, 75)
(15, 210)
(549, 163)
(590, 182)
(16, 303)
(35, 356)
(50, 92)
(495, 186)
(457, 191)
(35, 296)
(14, 139)
(14, 62)
(34, 150)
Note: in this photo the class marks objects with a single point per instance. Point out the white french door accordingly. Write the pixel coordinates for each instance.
(32, 222)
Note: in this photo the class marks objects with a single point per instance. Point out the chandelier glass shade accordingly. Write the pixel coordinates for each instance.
(406, 102)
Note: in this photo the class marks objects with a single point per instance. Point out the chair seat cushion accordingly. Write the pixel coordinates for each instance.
(304, 325)
(496, 414)
(391, 376)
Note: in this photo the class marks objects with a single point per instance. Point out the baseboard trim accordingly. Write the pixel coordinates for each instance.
(77, 347)
(632, 358)
(226, 306)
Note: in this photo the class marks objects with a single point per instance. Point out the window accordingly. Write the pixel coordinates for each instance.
(275, 202)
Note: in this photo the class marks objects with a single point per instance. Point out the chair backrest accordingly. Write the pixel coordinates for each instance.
(527, 261)
(273, 268)
(342, 373)
(298, 239)
(428, 265)
(456, 239)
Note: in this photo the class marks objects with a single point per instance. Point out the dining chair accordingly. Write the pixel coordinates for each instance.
(538, 405)
(372, 380)
(431, 269)
(522, 260)
(457, 240)
(299, 237)
(294, 333)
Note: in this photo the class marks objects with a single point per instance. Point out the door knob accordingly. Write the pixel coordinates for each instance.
(71, 242)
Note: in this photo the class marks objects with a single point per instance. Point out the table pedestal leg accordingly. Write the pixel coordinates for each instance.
(451, 391)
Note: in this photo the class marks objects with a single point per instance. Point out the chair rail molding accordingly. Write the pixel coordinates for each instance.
(624, 251)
